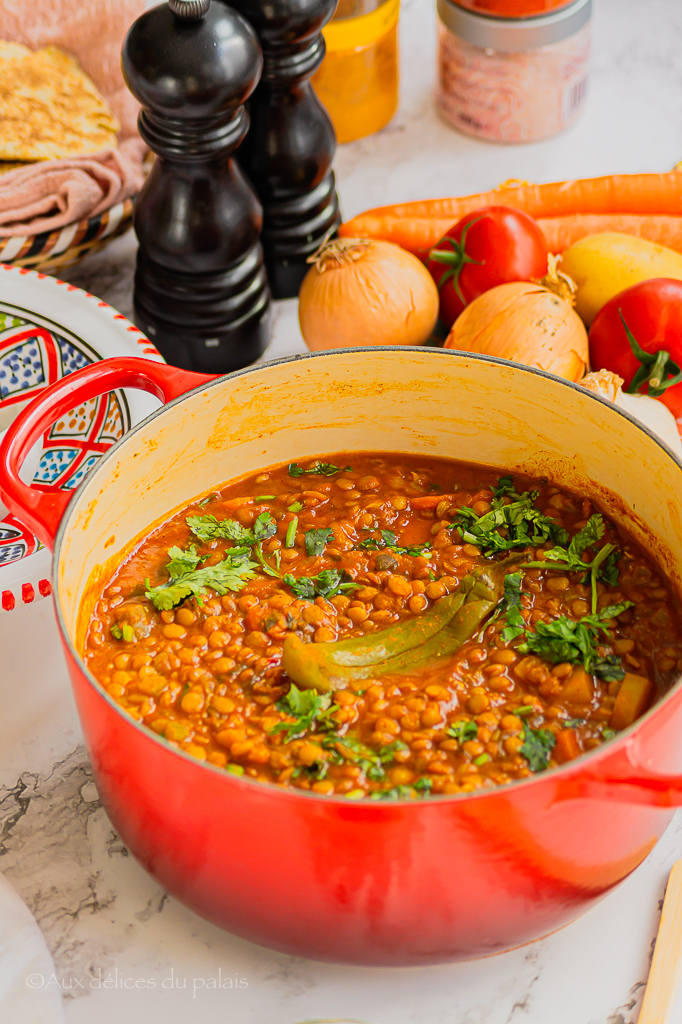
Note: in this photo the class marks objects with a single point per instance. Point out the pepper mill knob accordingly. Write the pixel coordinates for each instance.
(200, 286)
(190, 10)
(291, 143)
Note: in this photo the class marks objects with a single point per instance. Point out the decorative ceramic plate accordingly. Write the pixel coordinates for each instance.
(48, 329)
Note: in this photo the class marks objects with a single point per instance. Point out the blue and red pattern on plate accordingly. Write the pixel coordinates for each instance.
(35, 351)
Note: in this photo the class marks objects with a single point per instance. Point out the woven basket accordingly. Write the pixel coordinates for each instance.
(52, 250)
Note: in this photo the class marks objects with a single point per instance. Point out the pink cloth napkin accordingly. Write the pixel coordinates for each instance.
(92, 30)
(53, 193)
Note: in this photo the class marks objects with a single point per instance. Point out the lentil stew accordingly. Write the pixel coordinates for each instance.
(338, 570)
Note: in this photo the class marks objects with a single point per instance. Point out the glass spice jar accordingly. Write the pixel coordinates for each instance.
(358, 79)
(513, 8)
(512, 79)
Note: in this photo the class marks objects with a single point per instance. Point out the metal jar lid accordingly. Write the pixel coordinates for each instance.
(514, 35)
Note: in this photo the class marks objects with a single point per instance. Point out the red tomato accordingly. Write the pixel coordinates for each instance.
(488, 247)
(652, 311)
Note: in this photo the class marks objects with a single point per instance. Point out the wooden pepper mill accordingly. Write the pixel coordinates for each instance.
(200, 287)
(291, 143)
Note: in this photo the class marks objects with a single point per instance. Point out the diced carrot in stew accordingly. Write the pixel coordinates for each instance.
(566, 747)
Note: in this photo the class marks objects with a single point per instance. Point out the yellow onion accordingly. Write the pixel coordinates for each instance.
(361, 292)
(527, 323)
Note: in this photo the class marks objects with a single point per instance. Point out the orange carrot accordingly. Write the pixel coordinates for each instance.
(418, 226)
(562, 232)
(430, 500)
(567, 747)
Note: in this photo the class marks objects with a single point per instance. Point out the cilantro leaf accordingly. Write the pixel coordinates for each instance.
(207, 528)
(264, 527)
(463, 731)
(230, 574)
(573, 723)
(537, 748)
(182, 561)
(516, 525)
(603, 565)
(387, 539)
(512, 607)
(306, 706)
(565, 639)
(316, 541)
(608, 570)
(326, 584)
(591, 532)
(318, 469)
(505, 488)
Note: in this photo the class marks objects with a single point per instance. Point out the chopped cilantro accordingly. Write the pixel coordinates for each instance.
(573, 723)
(423, 785)
(306, 706)
(537, 748)
(318, 469)
(463, 731)
(316, 541)
(207, 528)
(290, 538)
(516, 525)
(182, 561)
(505, 489)
(387, 539)
(326, 584)
(124, 631)
(230, 574)
(372, 764)
(607, 734)
(402, 792)
(602, 567)
(565, 639)
(296, 507)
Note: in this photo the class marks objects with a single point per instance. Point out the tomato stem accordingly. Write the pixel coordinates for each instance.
(657, 369)
(455, 259)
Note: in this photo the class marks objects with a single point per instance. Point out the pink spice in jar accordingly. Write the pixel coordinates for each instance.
(512, 79)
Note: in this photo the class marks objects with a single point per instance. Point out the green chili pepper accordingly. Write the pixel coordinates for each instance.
(405, 647)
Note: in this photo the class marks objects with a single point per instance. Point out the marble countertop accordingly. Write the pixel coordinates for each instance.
(122, 946)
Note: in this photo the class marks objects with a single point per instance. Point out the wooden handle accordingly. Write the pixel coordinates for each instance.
(666, 968)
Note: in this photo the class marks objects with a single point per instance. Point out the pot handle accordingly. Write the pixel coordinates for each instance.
(39, 510)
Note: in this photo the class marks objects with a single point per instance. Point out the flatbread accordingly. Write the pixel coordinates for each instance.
(49, 108)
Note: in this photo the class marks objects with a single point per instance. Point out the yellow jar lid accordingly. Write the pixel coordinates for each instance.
(354, 33)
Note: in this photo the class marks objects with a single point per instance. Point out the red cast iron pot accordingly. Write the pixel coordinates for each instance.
(361, 882)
